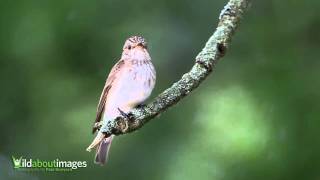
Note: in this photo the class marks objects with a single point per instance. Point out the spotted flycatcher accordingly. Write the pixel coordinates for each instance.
(129, 84)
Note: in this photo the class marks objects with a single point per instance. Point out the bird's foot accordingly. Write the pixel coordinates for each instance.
(129, 116)
(141, 106)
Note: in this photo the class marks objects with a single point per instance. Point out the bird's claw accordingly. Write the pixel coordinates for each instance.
(141, 106)
(127, 116)
(126, 126)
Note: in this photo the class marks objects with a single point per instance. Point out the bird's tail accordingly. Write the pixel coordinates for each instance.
(102, 144)
(103, 151)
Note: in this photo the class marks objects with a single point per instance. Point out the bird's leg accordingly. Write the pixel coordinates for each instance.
(128, 116)
(140, 106)
(123, 114)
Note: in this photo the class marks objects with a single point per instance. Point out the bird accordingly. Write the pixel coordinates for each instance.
(129, 83)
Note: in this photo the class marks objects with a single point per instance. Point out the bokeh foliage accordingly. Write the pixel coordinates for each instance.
(257, 117)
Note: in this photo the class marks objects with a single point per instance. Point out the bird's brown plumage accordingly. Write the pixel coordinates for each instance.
(103, 98)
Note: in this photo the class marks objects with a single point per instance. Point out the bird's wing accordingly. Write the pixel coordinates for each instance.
(103, 98)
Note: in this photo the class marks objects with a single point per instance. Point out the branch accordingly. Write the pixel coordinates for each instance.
(206, 60)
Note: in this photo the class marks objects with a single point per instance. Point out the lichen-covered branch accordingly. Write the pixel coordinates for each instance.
(205, 62)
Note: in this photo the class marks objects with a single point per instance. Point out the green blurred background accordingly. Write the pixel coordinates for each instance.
(256, 117)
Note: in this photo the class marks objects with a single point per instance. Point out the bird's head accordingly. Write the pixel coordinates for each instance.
(134, 42)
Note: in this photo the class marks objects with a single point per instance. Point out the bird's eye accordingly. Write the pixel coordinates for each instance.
(129, 47)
